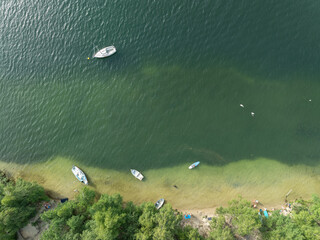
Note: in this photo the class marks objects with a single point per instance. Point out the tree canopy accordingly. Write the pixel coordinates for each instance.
(110, 218)
(239, 220)
(18, 202)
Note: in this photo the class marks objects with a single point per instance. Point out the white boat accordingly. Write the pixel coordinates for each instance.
(79, 174)
(193, 165)
(137, 174)
(159, 203)
(105, 52)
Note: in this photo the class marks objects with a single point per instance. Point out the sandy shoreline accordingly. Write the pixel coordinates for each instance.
(202, 189)
(200, 217)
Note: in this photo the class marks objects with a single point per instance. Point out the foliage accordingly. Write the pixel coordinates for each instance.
(244, 220)
(4, 179)
(162, 224)
(167, 221)
(18, 205)
(109, 218)
(147, 222)
(221, 210)
(67, 219)
(85, 198)
(189, 233)
(220, 229)
(306, 214)
(280, 227)
(133, 213)
(303, 224)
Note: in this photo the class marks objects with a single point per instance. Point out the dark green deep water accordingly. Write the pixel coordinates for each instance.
(171, 94)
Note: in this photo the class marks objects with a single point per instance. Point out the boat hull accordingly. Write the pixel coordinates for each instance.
(159, 203)
(105, 52)
(79, 174)
(137, 174)
(194, 165)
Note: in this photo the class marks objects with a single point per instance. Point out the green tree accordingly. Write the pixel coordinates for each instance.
(302, 224)
(68, 220)
(23, 193)
(4, 179)
(55, 231)
(147, 222)
(85, 199)
(167, 222)
(280, 227)
(18, 205)
(108, 217)
(131, 221)
(244, 217)
(156, 225)
(108, 224)
(244, 220)
(75, 223)
(306, 214)
(107, 201)
(58, 219)
(188, 233)
(220, 229)
(88, 233)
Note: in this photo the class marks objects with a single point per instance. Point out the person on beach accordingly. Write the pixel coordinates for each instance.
(47, 206)
(254, 203)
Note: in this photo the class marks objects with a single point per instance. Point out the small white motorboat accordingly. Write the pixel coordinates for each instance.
(159, 203)
(79, 174)
(137, 174)
(193, 165)
(105, 52)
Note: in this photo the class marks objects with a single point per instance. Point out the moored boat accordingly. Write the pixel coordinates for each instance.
(79, 175)
(193, 165)
(137, 174)
(105, 52)
(159, 203)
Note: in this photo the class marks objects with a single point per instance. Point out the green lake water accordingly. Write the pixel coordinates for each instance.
(170, 96)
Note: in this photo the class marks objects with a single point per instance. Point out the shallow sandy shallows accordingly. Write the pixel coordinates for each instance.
(204, 187)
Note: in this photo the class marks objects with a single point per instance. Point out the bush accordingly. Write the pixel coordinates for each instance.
(109, 218)
(220, 229)
(244, 220)
(18, 205)
(67, 220)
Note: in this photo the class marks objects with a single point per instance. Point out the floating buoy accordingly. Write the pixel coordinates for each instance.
(252, 114)
(88, 58)
(309, 100)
